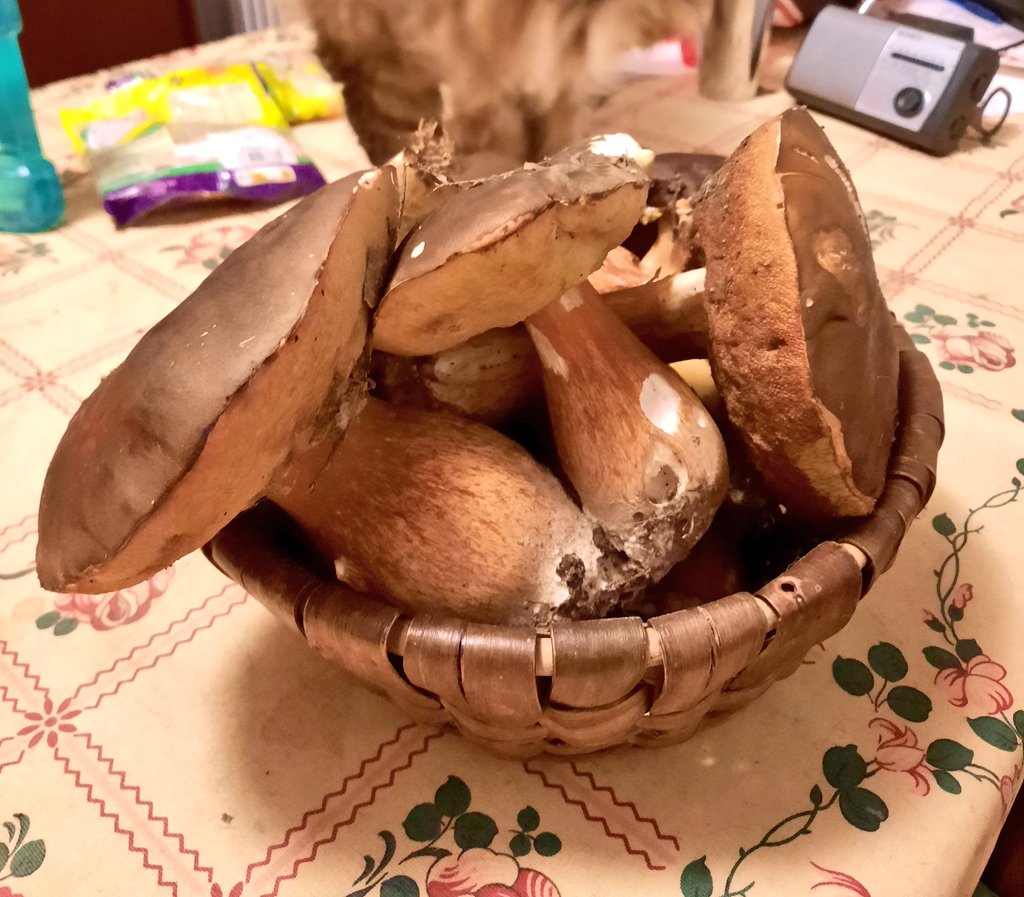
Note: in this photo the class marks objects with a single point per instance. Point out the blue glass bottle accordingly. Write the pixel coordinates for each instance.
(31, 198)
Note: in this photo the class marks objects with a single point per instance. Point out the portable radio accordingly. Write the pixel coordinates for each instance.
(919, 85)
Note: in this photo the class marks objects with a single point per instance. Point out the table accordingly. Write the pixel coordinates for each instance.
(174, 738)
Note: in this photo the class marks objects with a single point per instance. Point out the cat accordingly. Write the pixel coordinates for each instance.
(507, 79)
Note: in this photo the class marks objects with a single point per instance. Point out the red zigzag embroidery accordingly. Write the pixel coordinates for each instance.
(429, 735)
(241, 599)
(557, 786)
(142, 804)
(29, 676)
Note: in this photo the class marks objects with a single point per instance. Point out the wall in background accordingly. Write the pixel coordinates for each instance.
(219, 18)
(61, 39)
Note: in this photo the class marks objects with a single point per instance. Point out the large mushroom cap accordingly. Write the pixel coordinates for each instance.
(505, 247)
(800, 336)
(190, 428)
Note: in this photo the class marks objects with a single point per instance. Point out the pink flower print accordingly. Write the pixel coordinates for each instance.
(962, 595)
(979, 684)
(897, 751)
(49, 724)
(986, 349)
(217, 891)
(113, 609)
(1007, 786)
(7, 892)
(480, 872)
(840, 881)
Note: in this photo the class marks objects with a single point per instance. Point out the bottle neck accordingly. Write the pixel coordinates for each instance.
(17, 126)
(10, 19)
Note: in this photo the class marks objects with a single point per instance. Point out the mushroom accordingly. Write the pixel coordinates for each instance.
(800, 336)
(642, 452)
(504, 247)
(262, 361)
(495, 376)
(438, 513)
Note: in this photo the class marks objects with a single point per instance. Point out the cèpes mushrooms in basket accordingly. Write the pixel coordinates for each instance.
(445, 514)
(256, 387)
(495, 376)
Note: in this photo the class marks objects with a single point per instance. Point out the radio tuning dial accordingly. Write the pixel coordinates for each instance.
(909, 102)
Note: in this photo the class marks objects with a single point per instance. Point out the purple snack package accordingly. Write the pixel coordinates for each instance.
(191, 136)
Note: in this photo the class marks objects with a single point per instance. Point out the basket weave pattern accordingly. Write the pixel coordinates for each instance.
(588, 685)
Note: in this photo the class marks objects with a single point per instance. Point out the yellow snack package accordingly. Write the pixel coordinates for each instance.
(187, 136)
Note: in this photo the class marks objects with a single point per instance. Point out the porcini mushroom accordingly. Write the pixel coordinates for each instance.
(262, 361)
(503, 247)
(495, 376)
(642, 452)
(438, 513)
(800, 336)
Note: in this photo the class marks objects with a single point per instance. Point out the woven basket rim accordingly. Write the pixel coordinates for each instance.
(576, 687)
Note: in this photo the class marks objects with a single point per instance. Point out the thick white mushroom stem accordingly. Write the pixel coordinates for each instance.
(644, 455)
(440, 514)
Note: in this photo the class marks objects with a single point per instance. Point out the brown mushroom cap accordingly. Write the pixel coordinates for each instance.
(800, 337)
(191, 428)
(503, 248)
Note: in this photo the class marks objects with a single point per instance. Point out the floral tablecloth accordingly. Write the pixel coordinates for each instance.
(173, 738)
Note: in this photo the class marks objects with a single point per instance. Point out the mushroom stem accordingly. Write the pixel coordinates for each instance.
(496, 376)
(667, 314)
(673, 243)
(642, 452)
(442, 514)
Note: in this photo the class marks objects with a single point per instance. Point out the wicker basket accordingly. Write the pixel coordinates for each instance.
(584, 686)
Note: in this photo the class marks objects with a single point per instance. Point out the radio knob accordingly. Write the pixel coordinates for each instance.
(909, 102)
